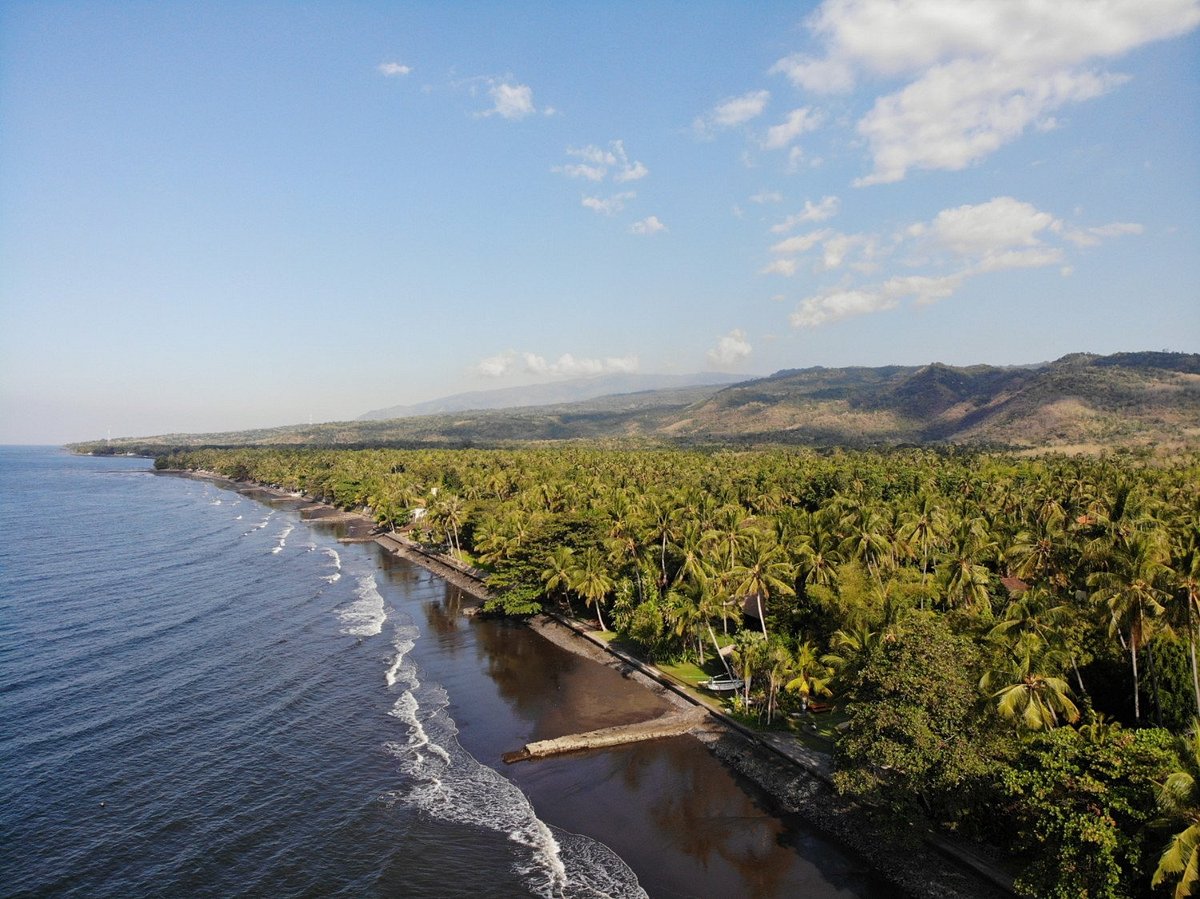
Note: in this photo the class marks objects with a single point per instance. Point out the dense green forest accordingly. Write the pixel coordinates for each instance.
(1011, 640)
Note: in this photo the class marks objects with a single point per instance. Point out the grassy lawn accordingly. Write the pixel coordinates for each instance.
(687, 672)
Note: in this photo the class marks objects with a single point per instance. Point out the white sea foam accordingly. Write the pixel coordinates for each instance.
(337, 566)
(365, 616)
(239, 518)
(283, 535)
(448, 783)
(403, 641)
(262, 524)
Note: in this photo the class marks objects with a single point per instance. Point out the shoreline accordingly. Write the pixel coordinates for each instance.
(933, 869)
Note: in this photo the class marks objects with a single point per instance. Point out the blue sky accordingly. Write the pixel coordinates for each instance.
(228, 215)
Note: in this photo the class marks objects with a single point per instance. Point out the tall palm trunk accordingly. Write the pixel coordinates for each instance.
(1153, 670)
(1195, 676)
(762, 615)
(1137, 705)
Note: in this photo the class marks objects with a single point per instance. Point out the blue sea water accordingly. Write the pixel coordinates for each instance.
(205, 695)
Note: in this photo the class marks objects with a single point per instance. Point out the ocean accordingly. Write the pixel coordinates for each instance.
(205, 695)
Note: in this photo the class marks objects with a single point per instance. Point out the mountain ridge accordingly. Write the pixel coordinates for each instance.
(1081, 400)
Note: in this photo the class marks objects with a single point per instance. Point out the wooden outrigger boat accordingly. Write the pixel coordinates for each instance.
(723, 684)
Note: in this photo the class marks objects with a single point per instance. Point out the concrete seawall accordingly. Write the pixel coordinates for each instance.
(670, 725)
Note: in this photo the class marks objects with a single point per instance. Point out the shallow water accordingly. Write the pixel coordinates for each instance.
(205, 695)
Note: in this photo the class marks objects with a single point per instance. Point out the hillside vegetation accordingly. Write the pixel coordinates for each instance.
(1079, 401)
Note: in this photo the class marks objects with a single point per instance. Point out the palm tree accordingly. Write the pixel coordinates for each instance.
(747, 656)
(1133, 591)
(559, 566)
(865, 541)
(1035, 615)
(763, 569)
(926, 525)
(694, 567)
(812, 675)
(664, 518)
(591, 580)
(819, 554)
(1179, 800)
(849, 650)
(1183, 608)
(963, 580)
(686, 619)
(1024, 689)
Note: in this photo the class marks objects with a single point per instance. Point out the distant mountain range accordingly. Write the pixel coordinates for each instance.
(1079, 401)
(573, 390)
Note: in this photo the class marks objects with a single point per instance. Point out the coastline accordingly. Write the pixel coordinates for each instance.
(928, 867)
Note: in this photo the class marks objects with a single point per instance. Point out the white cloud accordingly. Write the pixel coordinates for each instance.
(976, 73)
(831, 307)
(495, 366)
(767, 196)
(923, 289)
(566, 365)
(812, 212)
(634, 172)
(999, 224)
(393, 69)
(511, 101)
(597, 162)
(960, 112)
(836, 248)
(801, 243)
(798, 122)
(648, 225)
(1090, 237)
(608, 205)
(732, 112)
(956, 246)
(730, 349)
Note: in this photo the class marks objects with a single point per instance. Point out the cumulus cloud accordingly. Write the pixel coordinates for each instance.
(393, 69)
(512, 101)
(767, 196)
(730, 349)
(566, 365)
(984, 229)
(975, 73)
(731, 113)
(831, 307)
(955, 246)
(648, 225)
(827, 208)
(798, 122)
(608, 205)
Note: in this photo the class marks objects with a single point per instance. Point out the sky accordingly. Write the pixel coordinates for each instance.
(217, 216)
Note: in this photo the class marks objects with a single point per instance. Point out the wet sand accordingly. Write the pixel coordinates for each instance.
(720, 802)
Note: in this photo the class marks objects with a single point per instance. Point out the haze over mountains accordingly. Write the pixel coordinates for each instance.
(569, 391)
(1080, 401)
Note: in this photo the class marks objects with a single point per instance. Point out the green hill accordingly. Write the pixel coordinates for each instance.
(1081, 400)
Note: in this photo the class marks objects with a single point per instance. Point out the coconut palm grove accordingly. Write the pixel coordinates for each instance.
(964, 631)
